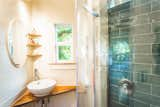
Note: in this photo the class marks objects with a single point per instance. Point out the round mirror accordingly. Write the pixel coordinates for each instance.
(16, 42)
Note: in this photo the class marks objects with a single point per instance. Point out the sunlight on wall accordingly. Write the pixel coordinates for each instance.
(23, 11)
(44, 27)
(12, 80)
(45, 14)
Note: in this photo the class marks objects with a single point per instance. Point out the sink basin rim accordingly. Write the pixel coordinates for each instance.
(41, 87)
(37, 82)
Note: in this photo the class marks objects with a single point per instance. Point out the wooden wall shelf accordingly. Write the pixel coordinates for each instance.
(32, 36)
(27, 97)
(34, 57)
(34, 45)
(37, 55)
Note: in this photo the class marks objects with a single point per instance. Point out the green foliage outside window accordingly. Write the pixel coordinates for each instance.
(64, 53)
(64, 33)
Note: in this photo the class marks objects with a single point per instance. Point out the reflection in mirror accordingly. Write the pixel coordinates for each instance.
(16, 42)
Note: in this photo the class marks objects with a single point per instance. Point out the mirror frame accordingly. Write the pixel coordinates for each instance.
(10, 58)
(7, 46)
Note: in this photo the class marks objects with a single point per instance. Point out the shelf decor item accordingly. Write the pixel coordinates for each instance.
(33, 44)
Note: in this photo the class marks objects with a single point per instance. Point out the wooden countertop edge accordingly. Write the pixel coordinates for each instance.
(19, 96)
(56, 91)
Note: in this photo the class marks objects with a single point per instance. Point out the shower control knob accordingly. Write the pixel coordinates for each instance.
(127, 86)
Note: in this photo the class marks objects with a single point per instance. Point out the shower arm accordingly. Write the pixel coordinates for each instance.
(91, 11)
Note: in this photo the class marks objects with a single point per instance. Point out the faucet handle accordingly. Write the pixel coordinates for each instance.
(127, 86)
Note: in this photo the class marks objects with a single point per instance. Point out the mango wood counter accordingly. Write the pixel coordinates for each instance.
(27, 97)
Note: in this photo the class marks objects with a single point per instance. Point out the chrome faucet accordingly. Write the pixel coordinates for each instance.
(36, 76)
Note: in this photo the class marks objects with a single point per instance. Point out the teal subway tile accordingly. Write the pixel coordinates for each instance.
(142, 49)
(141, 29)
(146, 59)
(142, 68)
(125, 13)
(156, 38)
(156, 27)
(154, 106)
(117, 104)
(143, 39)
(136, 103)
(124, 31)
(155, 5)
(155, 100)
(141, 78)
(155, 16)
(142, 97)
(156, 69)
(154, 79)
(143, 9)
(156, 59)
(144, 88)
(156, 90)
(155, 48)
(141, 2)
(141, 19)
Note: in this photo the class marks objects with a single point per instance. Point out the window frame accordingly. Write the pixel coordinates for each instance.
(57, 44)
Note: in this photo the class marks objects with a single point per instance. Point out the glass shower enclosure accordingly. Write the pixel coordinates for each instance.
(134, 53)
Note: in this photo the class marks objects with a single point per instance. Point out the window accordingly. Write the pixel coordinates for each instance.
(64, 43)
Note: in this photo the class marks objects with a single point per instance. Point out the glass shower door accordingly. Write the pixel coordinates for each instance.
(134, 48)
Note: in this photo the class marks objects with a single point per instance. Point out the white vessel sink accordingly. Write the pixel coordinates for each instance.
(41, 87)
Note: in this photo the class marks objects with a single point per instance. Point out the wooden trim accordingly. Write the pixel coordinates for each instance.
(62, 63)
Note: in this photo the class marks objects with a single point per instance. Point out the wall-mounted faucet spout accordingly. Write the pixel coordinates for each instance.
(36, 74)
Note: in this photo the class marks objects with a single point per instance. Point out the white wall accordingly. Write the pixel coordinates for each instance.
(46, 13)
(12, 80)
